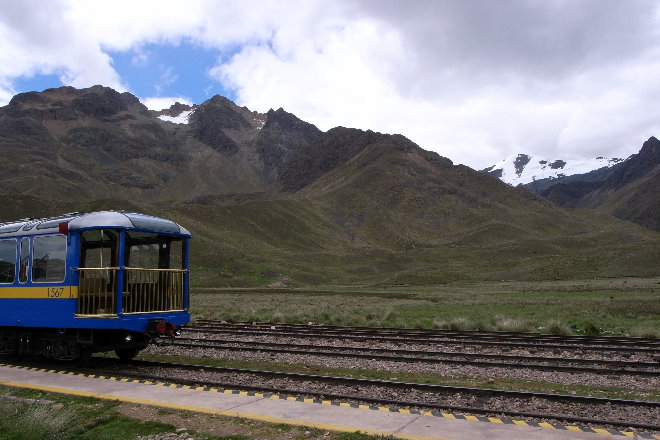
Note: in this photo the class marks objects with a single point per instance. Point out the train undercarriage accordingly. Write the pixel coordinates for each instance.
(71, 344)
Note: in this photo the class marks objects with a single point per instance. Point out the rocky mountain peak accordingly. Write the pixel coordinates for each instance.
(281, 121)
(67, 103)
(283, 135)
(175, 109)
(650, 150)
(521, 161)
(101, 101)
(219, 113)
(636, 166)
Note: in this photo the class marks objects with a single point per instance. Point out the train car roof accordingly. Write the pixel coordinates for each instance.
(92, 220)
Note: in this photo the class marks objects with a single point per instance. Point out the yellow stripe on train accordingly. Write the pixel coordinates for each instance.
(40, 292)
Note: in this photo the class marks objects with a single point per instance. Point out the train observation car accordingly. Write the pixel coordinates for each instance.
(91, 282)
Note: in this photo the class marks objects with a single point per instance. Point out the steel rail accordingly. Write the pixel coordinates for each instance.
(582, 339)
(423, 340)
(401, 355)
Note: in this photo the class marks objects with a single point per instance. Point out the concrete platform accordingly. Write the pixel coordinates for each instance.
(332, 416)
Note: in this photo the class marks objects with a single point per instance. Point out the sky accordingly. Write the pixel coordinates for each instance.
(475, 80)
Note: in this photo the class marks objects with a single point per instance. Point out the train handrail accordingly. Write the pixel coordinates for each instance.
(142, 290)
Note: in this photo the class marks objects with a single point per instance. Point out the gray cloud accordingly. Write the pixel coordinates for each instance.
(482, 42)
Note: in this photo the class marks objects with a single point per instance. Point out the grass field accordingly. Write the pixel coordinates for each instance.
(621, 306)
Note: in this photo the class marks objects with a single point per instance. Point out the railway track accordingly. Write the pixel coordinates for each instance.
(553, 408)
(385, 346)
(647, 346)
(569, 365)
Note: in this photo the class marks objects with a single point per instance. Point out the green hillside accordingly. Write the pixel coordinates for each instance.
(275, 202)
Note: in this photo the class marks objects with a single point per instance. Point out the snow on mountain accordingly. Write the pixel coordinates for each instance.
(521, 168)
(181, 118)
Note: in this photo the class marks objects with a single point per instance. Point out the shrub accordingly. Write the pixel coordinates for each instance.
(33, 421)
(591, 329)
(460, 324)
(556, 327)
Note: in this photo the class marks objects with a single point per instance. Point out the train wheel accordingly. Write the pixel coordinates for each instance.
(126, 354)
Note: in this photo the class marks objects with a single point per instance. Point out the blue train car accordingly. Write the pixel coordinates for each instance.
(88, 282)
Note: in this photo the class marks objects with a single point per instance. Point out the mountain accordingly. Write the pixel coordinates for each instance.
(274, 201)
(627, 189)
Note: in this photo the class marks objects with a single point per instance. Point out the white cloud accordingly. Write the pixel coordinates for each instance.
(39, 38)
(330, 81)
(140, 58)
(6, 91)
(164, 102)
(166, 78)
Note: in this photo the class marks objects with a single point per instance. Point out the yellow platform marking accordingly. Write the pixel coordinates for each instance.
(227, 413)
(270, 419)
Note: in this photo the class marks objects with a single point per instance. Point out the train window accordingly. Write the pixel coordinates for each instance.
(154, 251)
(25, 260)
(49, 259)
(99, 248)
(7, 261)
(176, 254)
(144, 256)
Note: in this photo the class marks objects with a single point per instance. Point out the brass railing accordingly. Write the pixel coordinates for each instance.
(144, 290)
(153, 290)
(97, 291)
